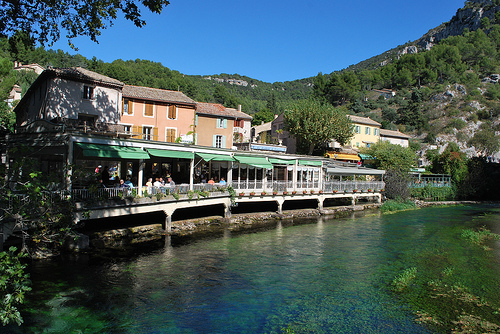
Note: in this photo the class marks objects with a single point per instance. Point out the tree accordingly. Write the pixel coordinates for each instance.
(265, 116)
(391, 156)
(318, 123)
(397, 161)
(43, 20)
(485, 141)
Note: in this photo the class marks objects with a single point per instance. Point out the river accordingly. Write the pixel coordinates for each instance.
(319, 276)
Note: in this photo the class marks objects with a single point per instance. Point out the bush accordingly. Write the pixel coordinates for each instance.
(433, 193)
(397, 205)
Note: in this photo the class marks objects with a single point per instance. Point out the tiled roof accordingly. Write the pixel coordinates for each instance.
(391, 133)
(155, 94)
(363, 120)
(239, 114)
(80, 73)
(219, 110)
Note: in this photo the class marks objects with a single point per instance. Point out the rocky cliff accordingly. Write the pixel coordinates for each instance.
(468, 17)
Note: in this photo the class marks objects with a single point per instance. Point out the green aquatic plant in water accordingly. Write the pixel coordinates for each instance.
(480, 236)
(404, 280)
(453, 288)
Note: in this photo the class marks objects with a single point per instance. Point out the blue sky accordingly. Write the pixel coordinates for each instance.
(272, 40)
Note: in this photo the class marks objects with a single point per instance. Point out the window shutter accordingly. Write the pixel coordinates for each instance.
(219, 121)
(148, 109)
(155, 133)
(195, 120)
(174, 108)
(139, 132)
(130, 107)
(223, 142)
(135, 130)
(224, 123)
(214, 142)
(195, 139)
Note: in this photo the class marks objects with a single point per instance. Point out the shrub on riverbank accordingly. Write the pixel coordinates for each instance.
(434, 193)
(394, 205)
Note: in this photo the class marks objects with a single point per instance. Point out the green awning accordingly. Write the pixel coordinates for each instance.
(259, 162)
(281, 161)
(365, 156)
(170, 154)
(214, 157)
(112, 151)
(310, 163)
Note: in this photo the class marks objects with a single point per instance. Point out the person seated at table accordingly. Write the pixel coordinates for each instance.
(157, 183)
(211, 181)
(170, 182)
(222, 181)
(129, 183)
(122, 184)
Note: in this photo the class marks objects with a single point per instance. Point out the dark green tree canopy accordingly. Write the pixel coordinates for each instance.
(43, 20)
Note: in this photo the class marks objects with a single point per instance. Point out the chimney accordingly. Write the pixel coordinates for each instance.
(239, 107)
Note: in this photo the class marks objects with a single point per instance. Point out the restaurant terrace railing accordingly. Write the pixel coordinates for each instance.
(216, 190)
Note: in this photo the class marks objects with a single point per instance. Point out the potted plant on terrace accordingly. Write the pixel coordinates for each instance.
(263, 193)
(355, 190)
(312, 191)
(252, 193)
(294, 192)
(304, 192)
(275, 192)
(242, 194)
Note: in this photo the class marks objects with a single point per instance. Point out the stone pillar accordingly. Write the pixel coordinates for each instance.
(353, 202)
(379, 198)
(168, 222)
(320, 203)
(280, 204)
(227, 210)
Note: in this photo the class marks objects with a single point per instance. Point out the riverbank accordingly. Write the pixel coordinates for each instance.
(216, 226)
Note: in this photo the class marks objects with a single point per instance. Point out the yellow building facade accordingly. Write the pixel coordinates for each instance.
(366, 131)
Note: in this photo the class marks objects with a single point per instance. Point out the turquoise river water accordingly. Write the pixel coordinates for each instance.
(316, 276)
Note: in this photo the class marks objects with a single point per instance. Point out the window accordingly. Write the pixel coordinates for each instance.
(219, 141)
(127, 108)
(148, 109)
(88, 92)
(357, 129)
(222, 123)
(127, 129)
(147, 133)
(376, 132)
(172, 112)
(368, 131)
(170, 135)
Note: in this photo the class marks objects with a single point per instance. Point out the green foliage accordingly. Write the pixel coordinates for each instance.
(14, 284)
(394, 205)
(485, 141)
(317, 123)
(390, 156)
(433, 193)
(262, 116)
(479, 237)
(232, 193)
(404, 280)
(36, 203)
(451, 161)
(43, 21)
